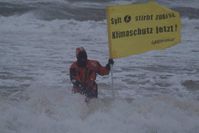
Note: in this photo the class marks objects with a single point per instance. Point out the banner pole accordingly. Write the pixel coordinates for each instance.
(110, 49)
(112, 87)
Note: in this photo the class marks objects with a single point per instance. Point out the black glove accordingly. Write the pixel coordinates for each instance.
(110, 62)
(76, 83)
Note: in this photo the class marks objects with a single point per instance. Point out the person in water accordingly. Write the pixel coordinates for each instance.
(83, 73)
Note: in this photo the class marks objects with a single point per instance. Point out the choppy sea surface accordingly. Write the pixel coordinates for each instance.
(154, 92)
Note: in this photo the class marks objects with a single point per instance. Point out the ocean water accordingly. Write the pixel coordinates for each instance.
(154, 92)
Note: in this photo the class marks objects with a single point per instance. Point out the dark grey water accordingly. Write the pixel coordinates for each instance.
(78, 10)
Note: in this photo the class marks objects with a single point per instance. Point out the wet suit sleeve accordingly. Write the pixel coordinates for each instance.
(74, 76)
(103, 70)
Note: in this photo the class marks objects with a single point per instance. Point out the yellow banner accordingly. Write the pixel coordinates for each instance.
(138, 28)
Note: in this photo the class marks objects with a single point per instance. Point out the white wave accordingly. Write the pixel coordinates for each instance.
(178, 3)
(50, 110)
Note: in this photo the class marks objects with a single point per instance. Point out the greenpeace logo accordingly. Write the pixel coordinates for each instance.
(127, 19)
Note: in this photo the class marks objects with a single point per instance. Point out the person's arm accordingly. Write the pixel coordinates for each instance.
(105, 70)
(74, 77)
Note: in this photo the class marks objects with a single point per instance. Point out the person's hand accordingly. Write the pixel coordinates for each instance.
(110, 62)
(76, 83)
